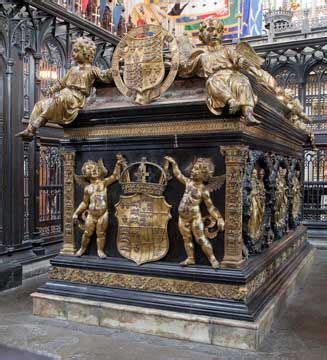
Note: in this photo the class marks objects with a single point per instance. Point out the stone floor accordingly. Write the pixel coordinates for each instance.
(300, 332)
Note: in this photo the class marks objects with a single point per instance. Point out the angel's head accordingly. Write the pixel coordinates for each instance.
(289, 95)
(203, 169)
(282, 172)
(211, 31)
(84, 50)
(94, 170)
(262, 173)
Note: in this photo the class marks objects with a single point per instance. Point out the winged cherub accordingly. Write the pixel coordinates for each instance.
(95, 202)
(221, 66)
(69, 94)
(191, 222)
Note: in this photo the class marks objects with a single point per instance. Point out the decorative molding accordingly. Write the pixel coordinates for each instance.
(171, 128)
(155, 129)
(235, 158)
(147, 283)
(181, 287)
(69, 247)
(260, 161)
(266, 275)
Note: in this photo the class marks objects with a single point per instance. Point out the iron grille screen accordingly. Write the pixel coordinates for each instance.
(315, 186)
(50, 191)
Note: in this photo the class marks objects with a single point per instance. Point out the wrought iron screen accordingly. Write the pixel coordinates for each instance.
(27, 84)
(26, 191)
(316, 93)
(50, 191)
(51, 65)
(288, 79)
(315, 186)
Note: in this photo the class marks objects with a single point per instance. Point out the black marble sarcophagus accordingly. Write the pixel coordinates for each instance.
(263, 245)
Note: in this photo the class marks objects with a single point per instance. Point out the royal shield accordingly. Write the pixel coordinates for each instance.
(143, 62)
(142, 232)
(138, 63)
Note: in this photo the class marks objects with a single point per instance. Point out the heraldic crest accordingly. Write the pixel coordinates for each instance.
(140, 54)
(143, 213)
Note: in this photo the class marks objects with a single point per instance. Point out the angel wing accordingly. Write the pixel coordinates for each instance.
(81, 181)
(248, 52)
(216, 182)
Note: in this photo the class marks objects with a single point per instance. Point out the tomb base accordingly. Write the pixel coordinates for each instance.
(147, 300)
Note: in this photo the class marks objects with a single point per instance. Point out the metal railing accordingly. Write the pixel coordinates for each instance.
(315, 186)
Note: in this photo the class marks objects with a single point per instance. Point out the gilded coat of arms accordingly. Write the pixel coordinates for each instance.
(140, 55)
(143, 214)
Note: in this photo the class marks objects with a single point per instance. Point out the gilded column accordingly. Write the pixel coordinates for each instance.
(69, 247)
(235, 158)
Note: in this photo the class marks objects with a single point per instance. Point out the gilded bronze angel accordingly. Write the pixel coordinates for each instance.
(94, 206)
(191, 222)
(221, 66)
(68, 96)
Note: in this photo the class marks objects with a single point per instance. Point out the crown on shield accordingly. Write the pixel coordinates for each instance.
(143, 177)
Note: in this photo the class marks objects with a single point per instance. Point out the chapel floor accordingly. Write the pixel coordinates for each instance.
(299, 332)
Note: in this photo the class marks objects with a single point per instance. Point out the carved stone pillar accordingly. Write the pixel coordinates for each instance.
(235, 157)
(69, 202)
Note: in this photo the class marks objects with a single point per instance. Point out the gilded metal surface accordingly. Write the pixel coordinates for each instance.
(156, 129)
(249, 53)
(180, 287)
(141, 52)
(69, 247)
(197, 191)
(69, 95)
(296, 192)
(264, 276)
(226, 85)
(257, 199)
(297, 115)
(178, 128)
(257, 202)
(255, 67)
(148, 283)
(142, 232)
(235, 158)
(143, 217)
(281, 204)
(142, 171)
(94, 206)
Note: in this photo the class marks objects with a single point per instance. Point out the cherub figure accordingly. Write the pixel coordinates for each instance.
(191, 221)
(298, 117)
(258, 204)
(95, 202)
(69, 95)
(221, 66)
(296, 193)
(281, 204)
